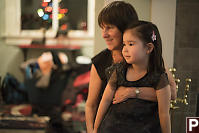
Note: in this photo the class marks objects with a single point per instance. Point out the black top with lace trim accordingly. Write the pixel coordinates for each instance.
(133, 115)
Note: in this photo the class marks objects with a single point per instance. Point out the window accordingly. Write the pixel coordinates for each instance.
(22, 22)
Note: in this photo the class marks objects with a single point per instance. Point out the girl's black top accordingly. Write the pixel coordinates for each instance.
(133, 115)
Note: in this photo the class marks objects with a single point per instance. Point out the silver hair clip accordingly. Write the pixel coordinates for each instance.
(153, 37)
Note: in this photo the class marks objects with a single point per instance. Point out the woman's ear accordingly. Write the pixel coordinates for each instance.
(150, 47)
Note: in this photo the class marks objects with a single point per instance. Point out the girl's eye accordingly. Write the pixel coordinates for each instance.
(131, 44)
(109, 27)
(123, 44)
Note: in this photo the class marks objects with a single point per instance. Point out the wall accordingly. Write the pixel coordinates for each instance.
(10, 57)
(99, 43)
(163, 14)
(2, 15)
(143, 8)
(186, 59)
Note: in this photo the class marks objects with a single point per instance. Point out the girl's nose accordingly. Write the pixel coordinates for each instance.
(124, 49)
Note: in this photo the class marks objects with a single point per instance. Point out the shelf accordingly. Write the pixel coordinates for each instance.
(26, 47)
(41, 46)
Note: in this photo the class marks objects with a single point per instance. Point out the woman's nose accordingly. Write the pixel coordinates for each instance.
(105, 33)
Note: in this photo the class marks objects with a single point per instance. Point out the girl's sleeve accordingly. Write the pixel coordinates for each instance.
(113, 79)
(111, 73)
(163, 81)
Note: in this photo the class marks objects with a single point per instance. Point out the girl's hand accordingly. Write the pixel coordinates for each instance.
(94, 131)
(123, 93)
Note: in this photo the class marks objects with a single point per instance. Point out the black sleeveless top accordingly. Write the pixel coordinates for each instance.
(133, 115)
(102, 61)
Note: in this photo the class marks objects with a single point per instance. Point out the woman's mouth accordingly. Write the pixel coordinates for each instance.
(109, 40)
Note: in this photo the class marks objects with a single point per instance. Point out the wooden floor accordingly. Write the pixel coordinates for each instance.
(20, 131)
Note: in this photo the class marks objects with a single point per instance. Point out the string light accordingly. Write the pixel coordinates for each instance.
(44, 4)
(50, 4)
(40, 12)
(64, 27)
(60, 16)
(48, 9)
(47, 0)
(63, 11)
(45, 17)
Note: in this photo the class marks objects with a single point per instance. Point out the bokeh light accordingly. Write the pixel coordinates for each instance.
(60, 16)
(40, 12)
(47, 0)
(45, 17)
(48, 9)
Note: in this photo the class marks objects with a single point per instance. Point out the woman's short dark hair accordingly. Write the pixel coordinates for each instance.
(117, 13)
(149, 33)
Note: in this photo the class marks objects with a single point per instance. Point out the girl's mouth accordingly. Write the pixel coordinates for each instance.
(127, 56)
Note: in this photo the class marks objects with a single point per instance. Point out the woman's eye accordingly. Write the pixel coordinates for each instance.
(123, 44)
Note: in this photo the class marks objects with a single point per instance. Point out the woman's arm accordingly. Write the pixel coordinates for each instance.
(93, 99)
(104, 104)
(146, 93)
(164, 96)
(123, 93)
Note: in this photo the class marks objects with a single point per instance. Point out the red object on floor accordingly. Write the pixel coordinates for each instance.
(67, 101)
(82, 79)
(27, 110)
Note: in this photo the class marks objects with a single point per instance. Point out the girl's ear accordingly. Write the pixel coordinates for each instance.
(150, 47)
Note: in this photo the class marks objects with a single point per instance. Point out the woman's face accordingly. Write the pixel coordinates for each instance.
(133, 50)
(112, 36)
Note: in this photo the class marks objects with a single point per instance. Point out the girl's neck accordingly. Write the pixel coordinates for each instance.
(140, 67)
(117, 56)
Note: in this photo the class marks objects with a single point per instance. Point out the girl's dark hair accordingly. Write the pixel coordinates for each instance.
(149, 33)
(117, 13)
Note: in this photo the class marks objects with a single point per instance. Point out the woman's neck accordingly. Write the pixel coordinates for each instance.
(117, 56)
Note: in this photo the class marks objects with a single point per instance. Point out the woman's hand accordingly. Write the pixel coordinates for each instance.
(123, 93)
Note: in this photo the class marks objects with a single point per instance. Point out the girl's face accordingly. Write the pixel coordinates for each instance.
(134, 50)
(112, 36)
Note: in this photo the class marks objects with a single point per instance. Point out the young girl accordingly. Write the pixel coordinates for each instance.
(144, 67)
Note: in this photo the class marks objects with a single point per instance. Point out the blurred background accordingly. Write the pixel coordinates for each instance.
(38, 32)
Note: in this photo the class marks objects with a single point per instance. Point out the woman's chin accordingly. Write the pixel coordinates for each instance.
(113, 48)
(110, 48)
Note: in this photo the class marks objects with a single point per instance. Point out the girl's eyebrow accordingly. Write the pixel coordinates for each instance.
(129, 41)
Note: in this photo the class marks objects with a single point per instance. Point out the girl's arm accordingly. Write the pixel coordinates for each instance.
(104, 105)
(93, 99)
(164, 96)
(172, 84)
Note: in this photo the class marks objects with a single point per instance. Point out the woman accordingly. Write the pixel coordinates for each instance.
(113, 19)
